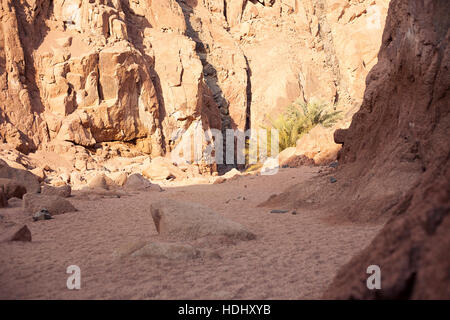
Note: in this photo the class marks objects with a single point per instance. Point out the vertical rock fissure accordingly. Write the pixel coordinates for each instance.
(225, 9)
(210, 79)
(332, 60)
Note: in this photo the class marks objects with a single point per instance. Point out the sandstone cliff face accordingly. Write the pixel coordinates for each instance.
(97, 71)
(90, 72)
(403, 126)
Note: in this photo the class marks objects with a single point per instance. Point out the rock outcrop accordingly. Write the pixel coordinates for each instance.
(98, 71)
(148, 73)
(403, 126)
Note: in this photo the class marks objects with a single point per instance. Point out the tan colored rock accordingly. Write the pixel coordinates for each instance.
(231, 174)
(318, 145)
(101, 181)
(39, 173)
(33, 203)
(137, 182)
(162, 169)
(147, 71)
(186, 221)
(76, 179)
(357, 30)
(157, 173)
(285, 155)
(119, 178)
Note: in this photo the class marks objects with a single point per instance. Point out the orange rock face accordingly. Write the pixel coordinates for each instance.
(144, 71)
(98, 71)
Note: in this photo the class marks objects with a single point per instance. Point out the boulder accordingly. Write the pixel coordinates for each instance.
(162, 169)
(62, 191)
(187, 221)
(53, 203)
(16, 233)
(137, 182)
(26, 178)
(12, 188)
(101, 181)
(232, 173)
(119, 178)
(318, 145)
(284, 155)
(157, 173)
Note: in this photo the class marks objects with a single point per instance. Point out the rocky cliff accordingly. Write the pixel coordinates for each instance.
(403, 127)
(83, 73)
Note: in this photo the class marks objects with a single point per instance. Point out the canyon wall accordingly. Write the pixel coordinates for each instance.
(401, 131)
(82, 73)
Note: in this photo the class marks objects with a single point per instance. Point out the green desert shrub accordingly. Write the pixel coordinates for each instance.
(299, 118)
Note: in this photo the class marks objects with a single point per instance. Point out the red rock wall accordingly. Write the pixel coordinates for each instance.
(405, 121)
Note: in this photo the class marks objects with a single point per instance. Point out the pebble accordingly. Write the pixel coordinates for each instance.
(278, 211)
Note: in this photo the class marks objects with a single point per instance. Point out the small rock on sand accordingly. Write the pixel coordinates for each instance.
(42, 215)
(278, 211)
(333, 164)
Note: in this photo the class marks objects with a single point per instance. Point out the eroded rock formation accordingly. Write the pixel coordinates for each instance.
(403, 127)
(84, 73)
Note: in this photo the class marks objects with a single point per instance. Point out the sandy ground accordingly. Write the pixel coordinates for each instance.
(293, 257)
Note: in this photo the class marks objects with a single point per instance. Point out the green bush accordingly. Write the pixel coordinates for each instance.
(299, 118)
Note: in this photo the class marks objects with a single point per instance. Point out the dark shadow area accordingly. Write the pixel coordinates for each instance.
(211, 80)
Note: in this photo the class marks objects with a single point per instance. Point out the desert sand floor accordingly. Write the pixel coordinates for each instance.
(293, 257)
